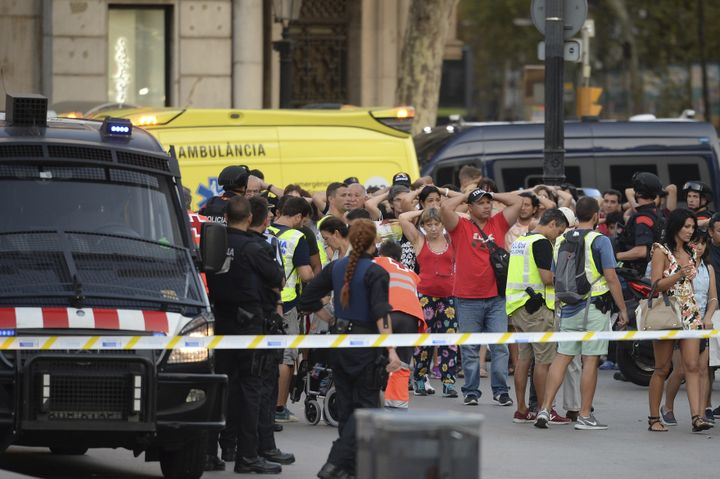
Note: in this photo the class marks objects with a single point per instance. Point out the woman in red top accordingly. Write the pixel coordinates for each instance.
(436, 258)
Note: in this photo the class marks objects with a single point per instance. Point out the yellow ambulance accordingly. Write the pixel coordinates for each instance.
(307, 147)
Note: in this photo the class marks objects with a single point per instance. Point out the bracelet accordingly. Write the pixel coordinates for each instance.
(712, 299)
(447, 192)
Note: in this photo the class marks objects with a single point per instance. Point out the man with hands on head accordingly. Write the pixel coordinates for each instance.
(479, 305)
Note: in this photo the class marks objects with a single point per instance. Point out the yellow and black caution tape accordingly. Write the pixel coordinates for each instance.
(330, 340)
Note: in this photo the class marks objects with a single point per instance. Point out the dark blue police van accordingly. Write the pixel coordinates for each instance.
(599, 154)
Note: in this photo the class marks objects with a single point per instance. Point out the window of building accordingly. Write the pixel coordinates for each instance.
(138, 55)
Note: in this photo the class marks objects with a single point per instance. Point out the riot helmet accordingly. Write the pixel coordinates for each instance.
(703, 189)
(646, 185)
(234, 177)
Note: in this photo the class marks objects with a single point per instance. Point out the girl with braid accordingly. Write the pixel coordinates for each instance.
(361, 303)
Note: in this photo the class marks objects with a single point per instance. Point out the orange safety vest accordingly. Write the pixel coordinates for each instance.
(403, 289)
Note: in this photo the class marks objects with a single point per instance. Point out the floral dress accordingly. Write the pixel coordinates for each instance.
(683, 291)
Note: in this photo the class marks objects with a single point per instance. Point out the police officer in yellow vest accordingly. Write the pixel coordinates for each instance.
(296, 258)
(530, 303)
(590, 316)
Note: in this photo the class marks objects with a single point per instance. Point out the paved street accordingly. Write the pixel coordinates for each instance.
(509, 450)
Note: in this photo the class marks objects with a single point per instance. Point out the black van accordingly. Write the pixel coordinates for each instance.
(599, 154)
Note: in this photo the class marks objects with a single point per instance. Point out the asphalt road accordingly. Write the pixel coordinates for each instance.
(509, 450)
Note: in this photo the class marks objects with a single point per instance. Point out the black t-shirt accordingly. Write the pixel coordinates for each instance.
(311, 239)
(543, 254)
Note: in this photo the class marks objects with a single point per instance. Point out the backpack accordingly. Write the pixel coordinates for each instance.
(571, 283)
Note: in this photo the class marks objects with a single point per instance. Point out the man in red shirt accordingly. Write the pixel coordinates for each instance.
(479, 307)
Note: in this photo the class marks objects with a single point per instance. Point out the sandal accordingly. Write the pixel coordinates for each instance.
(699, 424)
(653, 420)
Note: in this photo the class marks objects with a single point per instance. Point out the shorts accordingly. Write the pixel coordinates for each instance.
(292, 328)
(541, 321)
(596, 321)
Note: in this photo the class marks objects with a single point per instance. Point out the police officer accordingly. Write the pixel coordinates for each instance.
(233, 180)
(267, 448)
(240, 305)
(698, 196)
(644, 227)
(360, 290)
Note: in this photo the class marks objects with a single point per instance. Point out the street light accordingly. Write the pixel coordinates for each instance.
(285, 11)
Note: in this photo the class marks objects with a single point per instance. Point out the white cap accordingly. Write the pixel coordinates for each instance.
(569, 215)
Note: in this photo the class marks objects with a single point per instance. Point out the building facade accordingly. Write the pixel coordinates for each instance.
(202, 53)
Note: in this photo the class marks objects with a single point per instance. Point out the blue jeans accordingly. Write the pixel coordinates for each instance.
(483, 316)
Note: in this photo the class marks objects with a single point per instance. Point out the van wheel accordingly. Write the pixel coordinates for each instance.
(69, 450)
(187, 462)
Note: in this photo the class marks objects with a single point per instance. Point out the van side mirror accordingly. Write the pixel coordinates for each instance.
(213, 247)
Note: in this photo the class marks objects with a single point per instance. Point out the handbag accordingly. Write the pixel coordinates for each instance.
(499, 260)
(658, 314)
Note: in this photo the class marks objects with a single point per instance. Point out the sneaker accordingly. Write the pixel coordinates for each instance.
(483, 373)
(435, 373)
(709, 416)
(558, 420)
(589, 423)
(420, 388)
(285, 415)
(502, 399)
(667, 417)
(524, 418)
(470, 400)
(607, 366)
(572, 415)
(716, 412)
(449, 391)
(542, 419)
(428, 387)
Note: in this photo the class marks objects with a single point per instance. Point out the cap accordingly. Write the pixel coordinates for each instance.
(350, 181)
(477, 194)
(401, 179)
(569, 215)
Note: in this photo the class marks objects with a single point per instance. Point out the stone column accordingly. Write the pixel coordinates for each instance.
(247, 53)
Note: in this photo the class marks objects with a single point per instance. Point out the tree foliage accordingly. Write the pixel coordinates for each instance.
(661, 35)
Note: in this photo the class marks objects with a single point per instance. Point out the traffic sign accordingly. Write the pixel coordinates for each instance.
(574, 16)
(572, 51)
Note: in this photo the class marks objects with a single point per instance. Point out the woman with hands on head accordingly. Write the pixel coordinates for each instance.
(436, 258)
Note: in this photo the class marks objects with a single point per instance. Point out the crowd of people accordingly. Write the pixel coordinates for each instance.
(415, 256)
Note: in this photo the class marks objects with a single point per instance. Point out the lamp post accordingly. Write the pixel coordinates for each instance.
(285, 11)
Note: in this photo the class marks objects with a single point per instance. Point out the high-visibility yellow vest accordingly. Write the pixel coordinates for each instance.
(523, 273)
(599, 285)
(289, 240)
(324, 260)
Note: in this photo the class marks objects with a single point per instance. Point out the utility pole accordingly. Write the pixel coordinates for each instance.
(554, 152)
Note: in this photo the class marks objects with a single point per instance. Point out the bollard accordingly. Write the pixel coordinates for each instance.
(417, 444)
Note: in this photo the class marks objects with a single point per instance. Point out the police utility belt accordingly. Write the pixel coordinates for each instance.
(347, 326)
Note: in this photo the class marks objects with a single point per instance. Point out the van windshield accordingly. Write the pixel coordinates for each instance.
(91, 236)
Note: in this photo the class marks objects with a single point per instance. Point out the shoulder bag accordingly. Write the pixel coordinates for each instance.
(499, 260)
(658, 314)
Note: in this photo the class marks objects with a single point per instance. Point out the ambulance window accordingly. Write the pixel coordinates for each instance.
(517, 178)
(680, 173)
(138, 63)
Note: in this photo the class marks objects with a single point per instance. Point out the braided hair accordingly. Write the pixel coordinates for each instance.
(362, 236)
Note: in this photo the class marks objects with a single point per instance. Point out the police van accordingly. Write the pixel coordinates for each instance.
(311, 148)
(599, 154)
(94, 241)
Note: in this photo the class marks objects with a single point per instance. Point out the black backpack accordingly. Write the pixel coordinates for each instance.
(571, 283)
